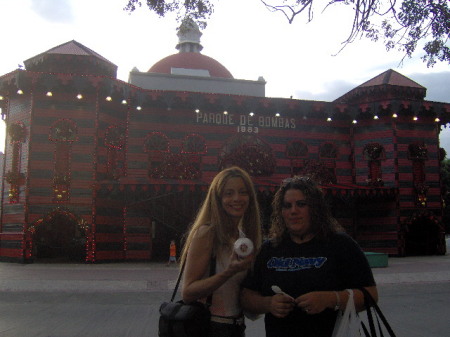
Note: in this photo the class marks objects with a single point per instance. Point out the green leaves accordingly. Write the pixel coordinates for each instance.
(198, 10)
(414, 23)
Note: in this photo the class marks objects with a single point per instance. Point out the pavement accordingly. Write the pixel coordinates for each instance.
(157, 277)
(122, 299)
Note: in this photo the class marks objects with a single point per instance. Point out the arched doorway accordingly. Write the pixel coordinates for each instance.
(424, 235)
(59, 236)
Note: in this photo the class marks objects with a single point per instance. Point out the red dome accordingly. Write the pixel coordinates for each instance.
(190, 61)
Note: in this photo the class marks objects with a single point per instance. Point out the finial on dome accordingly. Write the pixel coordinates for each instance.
(189, 37)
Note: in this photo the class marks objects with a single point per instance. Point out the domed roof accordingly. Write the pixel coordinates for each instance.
(189, 61)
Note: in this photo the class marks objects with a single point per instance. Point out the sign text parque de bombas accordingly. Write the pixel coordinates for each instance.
(245, 120)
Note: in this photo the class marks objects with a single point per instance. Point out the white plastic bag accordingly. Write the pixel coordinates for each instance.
(347, 322)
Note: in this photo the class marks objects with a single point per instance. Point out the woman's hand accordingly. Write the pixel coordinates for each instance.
(195, 286)
(317, 301)
(238, 264)
(281, 305)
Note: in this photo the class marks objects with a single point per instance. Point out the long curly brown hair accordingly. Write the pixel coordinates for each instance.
(322, 221)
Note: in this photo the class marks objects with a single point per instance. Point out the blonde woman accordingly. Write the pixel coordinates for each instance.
(229, 211)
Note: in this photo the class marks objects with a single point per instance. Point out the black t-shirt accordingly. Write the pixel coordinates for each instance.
(335, 264)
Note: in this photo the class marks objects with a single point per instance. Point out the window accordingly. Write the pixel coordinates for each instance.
(418, 154)
(374, 153)
(14, 177)
(156, 145)
(63, 133)
(297, 152)
(193, 146)
(114, 142)
(328, 155)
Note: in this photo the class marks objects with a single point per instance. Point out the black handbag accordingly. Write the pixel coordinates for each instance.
(178, 319)
(374, 313)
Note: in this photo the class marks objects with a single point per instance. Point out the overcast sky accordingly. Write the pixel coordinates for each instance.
(295, 59)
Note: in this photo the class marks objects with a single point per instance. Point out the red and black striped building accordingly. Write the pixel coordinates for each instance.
(97, 169)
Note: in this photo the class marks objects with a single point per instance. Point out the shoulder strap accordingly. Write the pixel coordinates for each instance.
(370, 303)
(212, 271)
(178, 281)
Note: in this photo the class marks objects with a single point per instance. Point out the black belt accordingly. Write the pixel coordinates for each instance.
(228, 319)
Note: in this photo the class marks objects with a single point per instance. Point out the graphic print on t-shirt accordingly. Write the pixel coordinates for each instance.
(295, 263)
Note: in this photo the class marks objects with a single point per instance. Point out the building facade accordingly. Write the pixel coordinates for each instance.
(97, 169)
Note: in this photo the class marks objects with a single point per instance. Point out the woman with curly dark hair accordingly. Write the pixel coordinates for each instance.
(301, 274)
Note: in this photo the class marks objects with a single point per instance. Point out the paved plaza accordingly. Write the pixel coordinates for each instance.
(122, 299)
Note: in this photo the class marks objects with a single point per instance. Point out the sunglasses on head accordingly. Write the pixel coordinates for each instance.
(295, 179)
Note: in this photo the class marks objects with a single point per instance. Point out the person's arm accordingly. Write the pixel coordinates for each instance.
(317, 301)
(358, 297)
(278, 305)
(341, 298)
(197, 266)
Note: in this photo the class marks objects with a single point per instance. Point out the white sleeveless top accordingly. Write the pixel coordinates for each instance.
(225, 300)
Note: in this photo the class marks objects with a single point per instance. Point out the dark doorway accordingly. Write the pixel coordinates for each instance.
(59, 238)
(422, 236)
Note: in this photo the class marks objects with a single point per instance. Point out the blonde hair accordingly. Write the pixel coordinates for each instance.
(213, 214)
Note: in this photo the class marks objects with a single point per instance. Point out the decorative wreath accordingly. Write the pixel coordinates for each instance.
(417, 151)
(115, 137)
(373, 151)
(328, 150)
(254, 159)
(63, 130)
(194, 144)
(317, 171)
(250, 153)
(296, 149)
(175, 166)
(156, 141)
